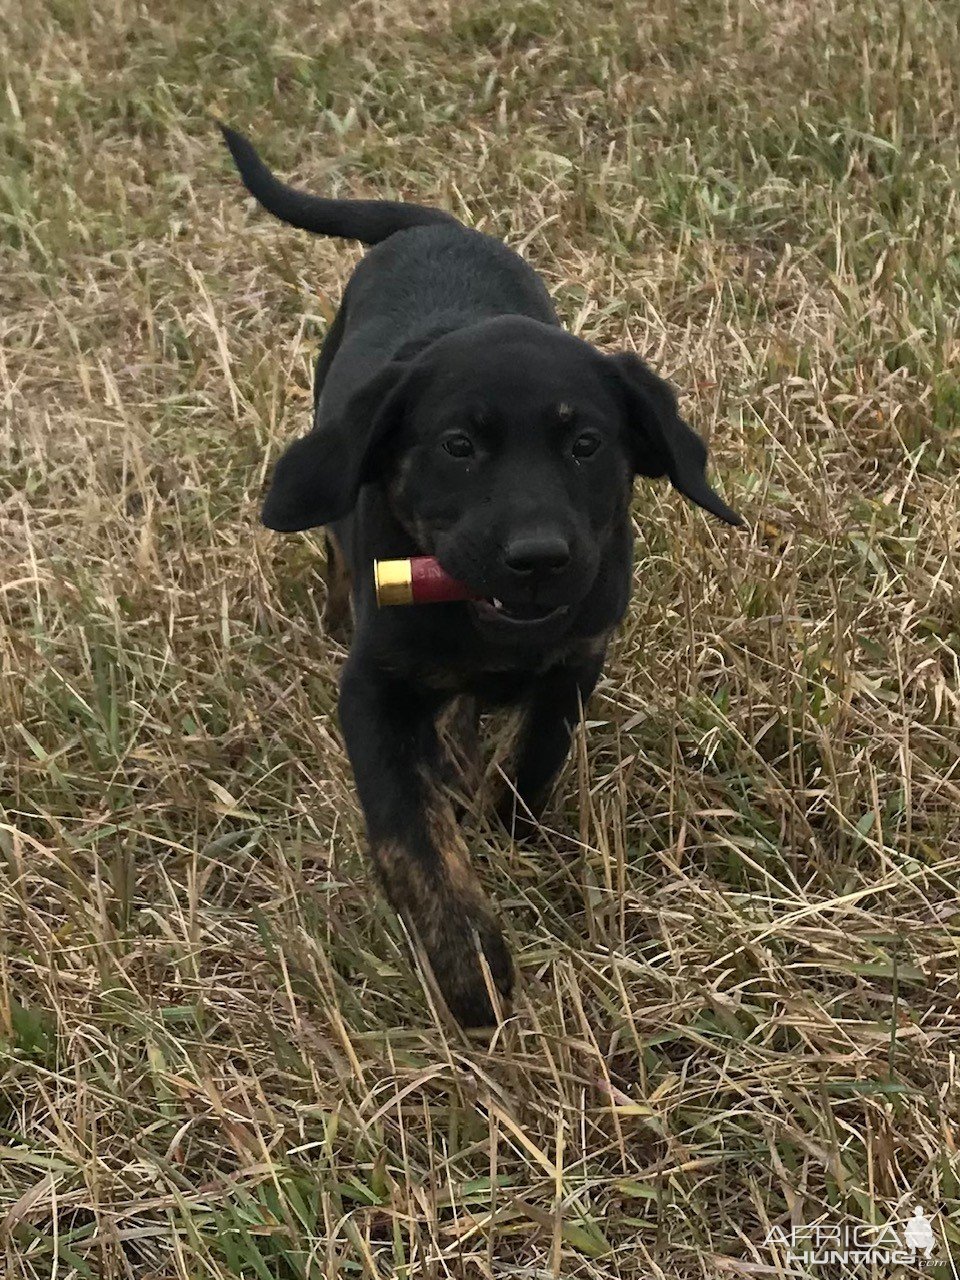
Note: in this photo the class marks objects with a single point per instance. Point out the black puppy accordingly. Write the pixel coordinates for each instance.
(454, 417)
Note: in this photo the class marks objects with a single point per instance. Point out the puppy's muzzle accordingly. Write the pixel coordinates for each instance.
(538, 555)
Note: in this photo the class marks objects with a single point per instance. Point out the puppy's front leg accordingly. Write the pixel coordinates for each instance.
(551, 712)
(419, 859)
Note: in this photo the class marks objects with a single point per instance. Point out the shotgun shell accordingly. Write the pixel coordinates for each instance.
(417, 580)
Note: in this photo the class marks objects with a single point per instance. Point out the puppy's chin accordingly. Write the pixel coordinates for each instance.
(529, 626)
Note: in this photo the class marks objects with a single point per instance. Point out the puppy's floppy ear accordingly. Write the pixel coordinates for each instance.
(661, 442)
(317, 479)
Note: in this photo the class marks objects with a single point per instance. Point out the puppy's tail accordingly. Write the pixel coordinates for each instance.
(368, 221)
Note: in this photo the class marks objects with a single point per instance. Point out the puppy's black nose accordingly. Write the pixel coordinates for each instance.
(537, 553)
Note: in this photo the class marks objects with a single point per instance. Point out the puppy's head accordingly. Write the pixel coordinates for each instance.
(509, 450)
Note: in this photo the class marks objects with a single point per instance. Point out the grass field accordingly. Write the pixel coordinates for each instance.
(739, 942)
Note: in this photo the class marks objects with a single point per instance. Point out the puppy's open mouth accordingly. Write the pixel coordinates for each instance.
(522, 616)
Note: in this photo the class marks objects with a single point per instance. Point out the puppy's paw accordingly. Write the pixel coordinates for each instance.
(454, 945)
(516, 821)
(441, 900)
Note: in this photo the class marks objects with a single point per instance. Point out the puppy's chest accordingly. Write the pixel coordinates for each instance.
(501, 680)
(493, 688)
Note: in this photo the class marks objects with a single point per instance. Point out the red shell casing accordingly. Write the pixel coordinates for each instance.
(431, 584)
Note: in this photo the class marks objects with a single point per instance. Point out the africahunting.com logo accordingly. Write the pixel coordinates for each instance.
(909, 1242)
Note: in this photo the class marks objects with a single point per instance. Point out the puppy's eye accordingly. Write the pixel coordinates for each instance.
(459, 446)
(585, 445)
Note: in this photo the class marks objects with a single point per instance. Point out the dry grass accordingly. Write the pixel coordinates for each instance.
(739, 941)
